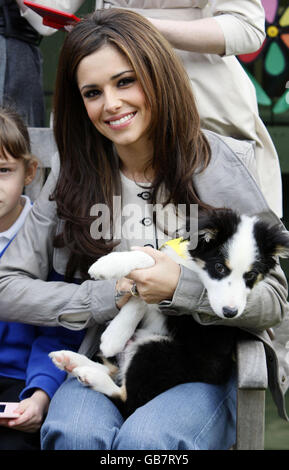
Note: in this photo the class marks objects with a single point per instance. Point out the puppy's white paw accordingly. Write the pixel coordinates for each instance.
(87, 375)
(122, 327)
(112, 344)
(119, 264)
(68, 360)
(96, 377)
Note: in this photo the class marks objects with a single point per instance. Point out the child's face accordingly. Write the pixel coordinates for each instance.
(12, 181)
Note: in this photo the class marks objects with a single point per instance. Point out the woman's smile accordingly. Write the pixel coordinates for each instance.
(119, 122)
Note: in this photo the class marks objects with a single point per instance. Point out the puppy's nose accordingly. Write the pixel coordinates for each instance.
(230, 312)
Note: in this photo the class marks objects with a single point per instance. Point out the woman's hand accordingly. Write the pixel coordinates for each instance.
(31, 410)
(158, 282)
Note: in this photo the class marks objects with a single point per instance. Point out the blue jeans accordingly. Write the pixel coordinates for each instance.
(186, 417)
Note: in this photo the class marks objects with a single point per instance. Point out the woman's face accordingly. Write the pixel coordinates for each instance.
(114, 99)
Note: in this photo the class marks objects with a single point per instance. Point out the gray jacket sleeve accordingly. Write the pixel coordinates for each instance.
(26, 296)
(267, 303)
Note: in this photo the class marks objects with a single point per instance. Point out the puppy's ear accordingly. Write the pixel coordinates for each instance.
(272, 240)
(205, 240)
(207, 234)
(282, 250)
(215, 227)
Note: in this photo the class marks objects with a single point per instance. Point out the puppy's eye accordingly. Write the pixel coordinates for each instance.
(220, 268)
(251, 276)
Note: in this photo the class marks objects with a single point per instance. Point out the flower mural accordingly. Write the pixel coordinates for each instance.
(275, 58)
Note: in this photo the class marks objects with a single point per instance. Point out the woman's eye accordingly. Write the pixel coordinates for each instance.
(91, 94)
(5, 170)
(126, 81)
(220, 268)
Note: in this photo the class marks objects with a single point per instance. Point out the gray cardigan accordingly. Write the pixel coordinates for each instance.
(25, 296)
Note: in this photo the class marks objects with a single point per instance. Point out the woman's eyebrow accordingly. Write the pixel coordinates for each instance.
(114, 77)
(121, 73)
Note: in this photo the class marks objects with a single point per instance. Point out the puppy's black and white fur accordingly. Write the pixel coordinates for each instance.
(155, 351)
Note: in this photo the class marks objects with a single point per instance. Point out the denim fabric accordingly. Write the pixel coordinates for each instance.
(190, 416)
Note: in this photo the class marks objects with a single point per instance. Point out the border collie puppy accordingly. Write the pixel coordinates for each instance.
(155, 351)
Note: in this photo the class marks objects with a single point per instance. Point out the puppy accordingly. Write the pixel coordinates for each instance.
(155, 351)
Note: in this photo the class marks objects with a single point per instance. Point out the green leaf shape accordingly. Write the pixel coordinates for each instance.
(262, 97)
(282, 105)
(275, 60)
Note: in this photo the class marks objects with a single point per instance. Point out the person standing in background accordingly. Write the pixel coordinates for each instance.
(21, 62)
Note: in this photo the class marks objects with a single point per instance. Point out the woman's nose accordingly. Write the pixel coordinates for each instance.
(112, 101)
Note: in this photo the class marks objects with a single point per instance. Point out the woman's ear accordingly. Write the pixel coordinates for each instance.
(30, 172)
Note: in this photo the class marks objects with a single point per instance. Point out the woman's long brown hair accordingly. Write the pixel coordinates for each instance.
(88, 165)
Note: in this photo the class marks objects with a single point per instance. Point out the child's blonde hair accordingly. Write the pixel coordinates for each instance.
(14, 137)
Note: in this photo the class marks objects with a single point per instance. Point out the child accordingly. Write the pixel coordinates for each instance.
(26, 372)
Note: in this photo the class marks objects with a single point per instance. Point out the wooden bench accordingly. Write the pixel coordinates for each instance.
(250, 354)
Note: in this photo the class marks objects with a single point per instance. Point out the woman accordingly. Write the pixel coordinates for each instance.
(207, 35)
(126, 125)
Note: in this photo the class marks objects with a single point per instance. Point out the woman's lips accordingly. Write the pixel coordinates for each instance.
(121, 121)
